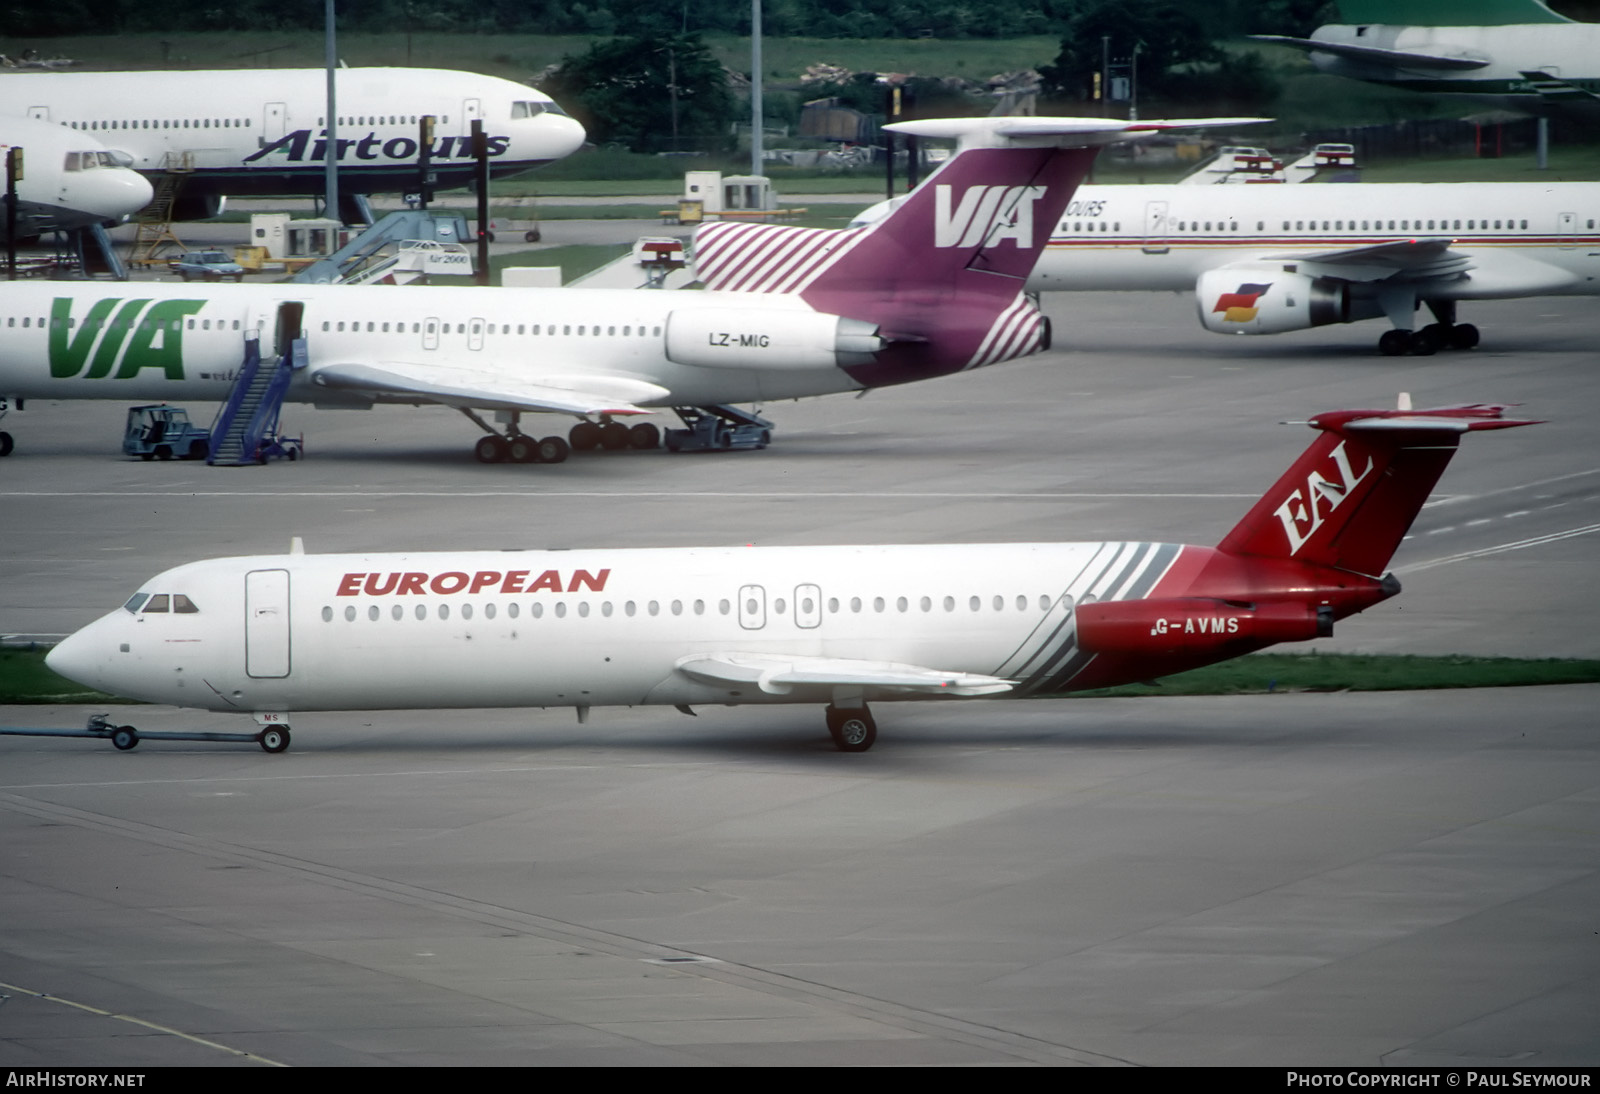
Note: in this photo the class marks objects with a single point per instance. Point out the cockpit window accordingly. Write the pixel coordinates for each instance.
(158, 603)
(528, 110)
(183, 604)
(135, 601)
(550, 108)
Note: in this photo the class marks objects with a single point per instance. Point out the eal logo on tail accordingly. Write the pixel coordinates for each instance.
(986, 215)
(118, 338)
(1303, 512)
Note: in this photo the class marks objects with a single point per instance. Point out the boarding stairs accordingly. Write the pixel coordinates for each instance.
(349, 262)
(154, 222)
(246, 425)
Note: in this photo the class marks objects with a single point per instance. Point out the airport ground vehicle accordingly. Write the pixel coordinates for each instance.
(159, 431)
(206, 266)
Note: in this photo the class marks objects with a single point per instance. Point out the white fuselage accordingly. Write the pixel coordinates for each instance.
(153, 342)
(1570, 51)
(69, 179)
(587, 627)
(264, 131)
(1523, 239)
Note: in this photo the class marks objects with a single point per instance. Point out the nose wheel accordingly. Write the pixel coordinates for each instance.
(274, 739)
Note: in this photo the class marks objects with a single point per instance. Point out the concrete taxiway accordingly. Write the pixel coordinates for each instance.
(1308, 879)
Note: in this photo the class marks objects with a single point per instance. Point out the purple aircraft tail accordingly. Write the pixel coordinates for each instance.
(941, 276)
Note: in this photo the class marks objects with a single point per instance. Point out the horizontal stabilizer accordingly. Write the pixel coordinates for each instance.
(1398, 58)
(1008, 132)
(777, 674)
(1553, 89)
(491, 389)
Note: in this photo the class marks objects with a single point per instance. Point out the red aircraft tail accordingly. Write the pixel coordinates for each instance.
(1351, 497)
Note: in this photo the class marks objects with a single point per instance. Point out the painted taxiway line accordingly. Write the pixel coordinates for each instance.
(665, 495)
(1501, 548)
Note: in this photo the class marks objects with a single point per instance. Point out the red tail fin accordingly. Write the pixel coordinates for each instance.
(1351, 497)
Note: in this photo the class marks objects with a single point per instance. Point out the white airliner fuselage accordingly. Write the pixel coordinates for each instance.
(70, 180)
(264, 131)
(270, 635)
(1268, 259)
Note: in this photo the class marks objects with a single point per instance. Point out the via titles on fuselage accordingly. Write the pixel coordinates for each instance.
(419, 583)
(291, 148)
(156, 341)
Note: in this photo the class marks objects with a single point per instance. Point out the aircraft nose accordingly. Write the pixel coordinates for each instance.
(566, 134)
(73, 657)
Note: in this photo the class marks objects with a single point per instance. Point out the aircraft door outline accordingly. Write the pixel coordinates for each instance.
(752, 607)
(807, 606)
(39, 113)
(273, 118)
(1567, 229)
(1155, 228)
(475, 334)
(471, 110)
(430, 333)
(266, 624)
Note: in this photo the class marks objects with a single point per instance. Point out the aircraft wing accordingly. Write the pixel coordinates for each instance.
(490, 388)
(779, 674)
(1422, 259)
(1397, 58)
(1559, 92)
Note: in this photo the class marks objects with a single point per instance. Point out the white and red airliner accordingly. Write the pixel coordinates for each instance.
(842, 626)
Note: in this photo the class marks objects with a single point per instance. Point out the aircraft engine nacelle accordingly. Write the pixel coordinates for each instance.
(1239, 300)
(197, 206)
(1183, 625)
(768, 338)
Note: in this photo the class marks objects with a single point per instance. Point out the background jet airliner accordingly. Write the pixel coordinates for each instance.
(263, 131)
(70, 180)
(934, 288)
(272, 635)
(1507, 54)
(1269, 259)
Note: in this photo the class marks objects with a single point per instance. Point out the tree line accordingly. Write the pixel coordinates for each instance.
(608, 18)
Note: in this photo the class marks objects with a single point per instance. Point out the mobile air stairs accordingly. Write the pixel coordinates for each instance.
(348, 262)
(246, 428)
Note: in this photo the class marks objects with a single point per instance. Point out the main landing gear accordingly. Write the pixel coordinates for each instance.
(852, 728)
(613, 436)
(1443, 333)
(515, 446)
(1428, 340)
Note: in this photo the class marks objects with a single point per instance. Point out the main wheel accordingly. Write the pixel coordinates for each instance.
(6, 443)
(491, 449)
(531, 236)
(614, 435)
(1464, 336)
(1424, 343)
(1394, 343)
(584, 436)
(852, 730)
(644, 435)
(274, 739)
(523, 449)
(198, 450)
(553, 450)
(163, 452)
(124, 738)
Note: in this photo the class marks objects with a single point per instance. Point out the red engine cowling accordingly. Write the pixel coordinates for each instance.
(1195, 624)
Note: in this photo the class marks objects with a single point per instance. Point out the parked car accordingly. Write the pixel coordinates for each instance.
(207, 266)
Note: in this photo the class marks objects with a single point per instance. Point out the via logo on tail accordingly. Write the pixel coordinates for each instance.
(985, 215)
